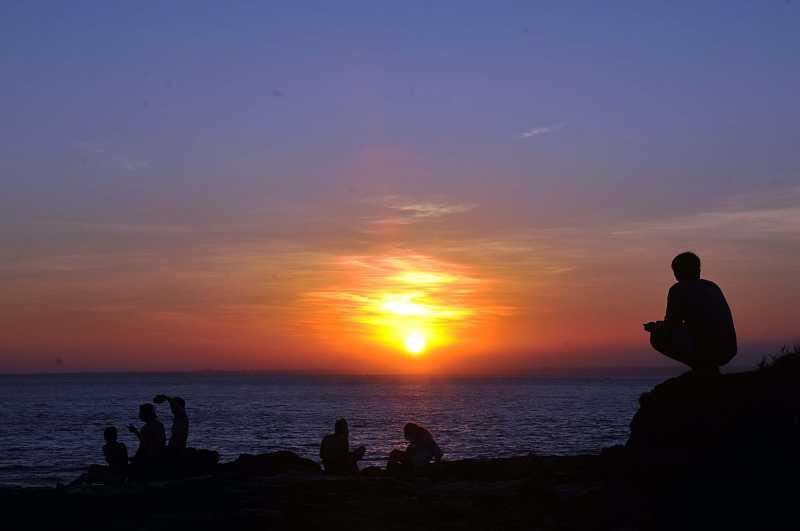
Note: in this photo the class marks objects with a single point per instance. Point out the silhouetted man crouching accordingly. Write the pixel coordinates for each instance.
(698, 327)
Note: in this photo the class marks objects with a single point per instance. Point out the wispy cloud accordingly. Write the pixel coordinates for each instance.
(123, 228)
(109, 155)
(743, 223)
(408, 211)
(89, 263)
(541, 130)
(433, 210)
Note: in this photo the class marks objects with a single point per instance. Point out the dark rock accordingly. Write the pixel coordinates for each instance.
(172, 465)
(269, 464)
(712, 419)
(192, 462)
(481, 469)
(373, 472)
(719, 451)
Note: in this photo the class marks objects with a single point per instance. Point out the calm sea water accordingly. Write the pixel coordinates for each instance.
(51, 425)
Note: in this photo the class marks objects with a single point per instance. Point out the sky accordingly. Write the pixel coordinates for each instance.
(417, 187)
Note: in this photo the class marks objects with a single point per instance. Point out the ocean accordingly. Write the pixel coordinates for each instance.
(51, 425)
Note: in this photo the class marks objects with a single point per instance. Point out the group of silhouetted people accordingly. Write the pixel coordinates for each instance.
(697, 330)
(152, 436)
(338, 459)
(154, 451)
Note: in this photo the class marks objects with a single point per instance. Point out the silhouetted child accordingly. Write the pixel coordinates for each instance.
(698, 326)
(116, 453)
(180, 421)
(335, 451)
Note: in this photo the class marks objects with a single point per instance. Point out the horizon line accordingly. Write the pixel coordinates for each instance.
(605, 371)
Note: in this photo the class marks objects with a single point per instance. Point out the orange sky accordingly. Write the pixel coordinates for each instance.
(170, 297)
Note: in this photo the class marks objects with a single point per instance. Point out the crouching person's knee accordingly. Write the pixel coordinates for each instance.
(660, 341)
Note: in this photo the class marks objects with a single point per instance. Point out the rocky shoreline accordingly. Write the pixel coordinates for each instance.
(703, 454)
(525, 492)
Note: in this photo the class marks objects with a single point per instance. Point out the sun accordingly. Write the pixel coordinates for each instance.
(415, 343)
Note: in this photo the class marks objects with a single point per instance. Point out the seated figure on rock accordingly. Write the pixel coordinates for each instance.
(335, 451)
(421, 450)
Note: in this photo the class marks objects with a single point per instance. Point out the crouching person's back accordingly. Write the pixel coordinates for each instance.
(698, 326)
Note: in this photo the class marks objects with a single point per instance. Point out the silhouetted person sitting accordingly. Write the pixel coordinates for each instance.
(116, 455)
(152, 437)
(180, 421)
(335, 451)
(421, 450)
(698, 327)
(115, 452)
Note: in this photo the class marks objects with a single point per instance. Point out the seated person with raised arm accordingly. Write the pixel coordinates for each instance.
(180, 421)
(335, 451)
(698, 326)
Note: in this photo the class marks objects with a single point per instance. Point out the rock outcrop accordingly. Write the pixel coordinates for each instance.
(720, 451)
(716, 419)
(268, 464)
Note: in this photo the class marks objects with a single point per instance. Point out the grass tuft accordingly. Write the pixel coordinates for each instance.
(785, 359)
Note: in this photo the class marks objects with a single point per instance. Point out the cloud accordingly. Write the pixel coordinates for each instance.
(542, 130)
(108, 155)
(743, 223)
(408, 211)
(62, 263)
(89, 148)
(123, 228)
(433, 210)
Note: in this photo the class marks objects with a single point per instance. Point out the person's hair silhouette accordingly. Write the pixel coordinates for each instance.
(110, 434)
(686, 266)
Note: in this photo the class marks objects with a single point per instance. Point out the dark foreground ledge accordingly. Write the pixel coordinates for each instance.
(576, 492)
(526, 492)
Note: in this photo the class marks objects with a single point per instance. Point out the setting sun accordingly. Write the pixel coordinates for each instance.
(415, 343)
(407, 303)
